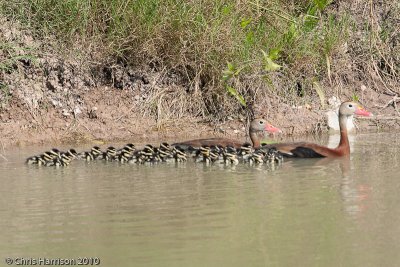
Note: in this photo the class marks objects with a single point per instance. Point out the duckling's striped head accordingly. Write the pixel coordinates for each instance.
(55, 152)
(96, 151)
(111, 151)
(72, 152)
(165, 146)
(129, 147)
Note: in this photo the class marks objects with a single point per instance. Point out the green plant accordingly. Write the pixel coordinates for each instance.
(12, 54)
(270, 43)
(230, 72)
(355, 98)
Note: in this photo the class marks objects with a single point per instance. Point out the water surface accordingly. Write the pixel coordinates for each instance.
(302, 213)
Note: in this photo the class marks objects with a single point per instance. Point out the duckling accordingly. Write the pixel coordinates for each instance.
(166, 156)
(191, 151)
(87, 155)
(245, 150)
(93, 154)
(52, 154)
(72, 153)
(64, 160)
(126, 153)
(43, 158)
(31, 160)
(165, 147)
(217, 152)
(257, 157)
(134, 158)
(230, 149)
(272, 155)
(208, 155)
(96, 152)
(124, 156)
(147, 154)
(127, 149)
(212, 157)
(202, 153)
(110, 154)
(155, 158)
(179, 154)
(147, 151)
(36, 160)
(230, 158)
(165, 152)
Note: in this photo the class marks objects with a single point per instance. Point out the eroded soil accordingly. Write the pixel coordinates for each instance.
(50, 97)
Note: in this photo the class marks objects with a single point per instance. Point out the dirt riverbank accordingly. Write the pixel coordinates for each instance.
(48, 96)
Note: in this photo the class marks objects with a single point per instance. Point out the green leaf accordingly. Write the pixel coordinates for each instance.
(274, 53)
(322, 4)
(232, 91)
(230, 72)
(231, 67)
(250, 37)
(226, 10)
(226, 75)
(269, 65)
(355, 98)
(245, 22)
(320, 93)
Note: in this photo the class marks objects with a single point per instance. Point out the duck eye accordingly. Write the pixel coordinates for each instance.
(261, 122)
(350, 105)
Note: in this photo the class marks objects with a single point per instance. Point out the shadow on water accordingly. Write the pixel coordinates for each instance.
(314, 212)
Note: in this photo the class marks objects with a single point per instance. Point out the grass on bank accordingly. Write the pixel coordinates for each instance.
(11, 54)
(224, 45)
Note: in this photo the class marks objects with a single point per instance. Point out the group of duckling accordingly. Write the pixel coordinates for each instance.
(54, 157)
(163, 153)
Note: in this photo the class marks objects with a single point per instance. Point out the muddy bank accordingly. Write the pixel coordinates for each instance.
(49, 95)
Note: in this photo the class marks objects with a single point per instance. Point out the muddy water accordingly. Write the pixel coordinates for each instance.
(303, 213)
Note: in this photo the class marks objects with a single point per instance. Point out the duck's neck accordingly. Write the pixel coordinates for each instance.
(256, 137)
(344, 145)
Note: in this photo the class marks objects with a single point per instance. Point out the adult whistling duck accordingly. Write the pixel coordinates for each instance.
(257, 130)
(310, 150)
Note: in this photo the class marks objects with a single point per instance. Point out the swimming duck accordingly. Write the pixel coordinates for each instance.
(126, 153)
(128, 148)
(230, 158)
(208, 154)
(36, 160)
(273, 156)
(257, 157)
(230, 155)
(179, 154)
(63, 160)
(43, 158)
(258, 128)
(93, 154)
(165, 152)
(202, 153)
(110, 154)
(165, 147)
(72, 153)
(245, 149)
(310, 150)
(148, 154)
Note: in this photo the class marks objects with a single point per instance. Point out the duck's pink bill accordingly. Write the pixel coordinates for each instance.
(362, 112)
(271, 129)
